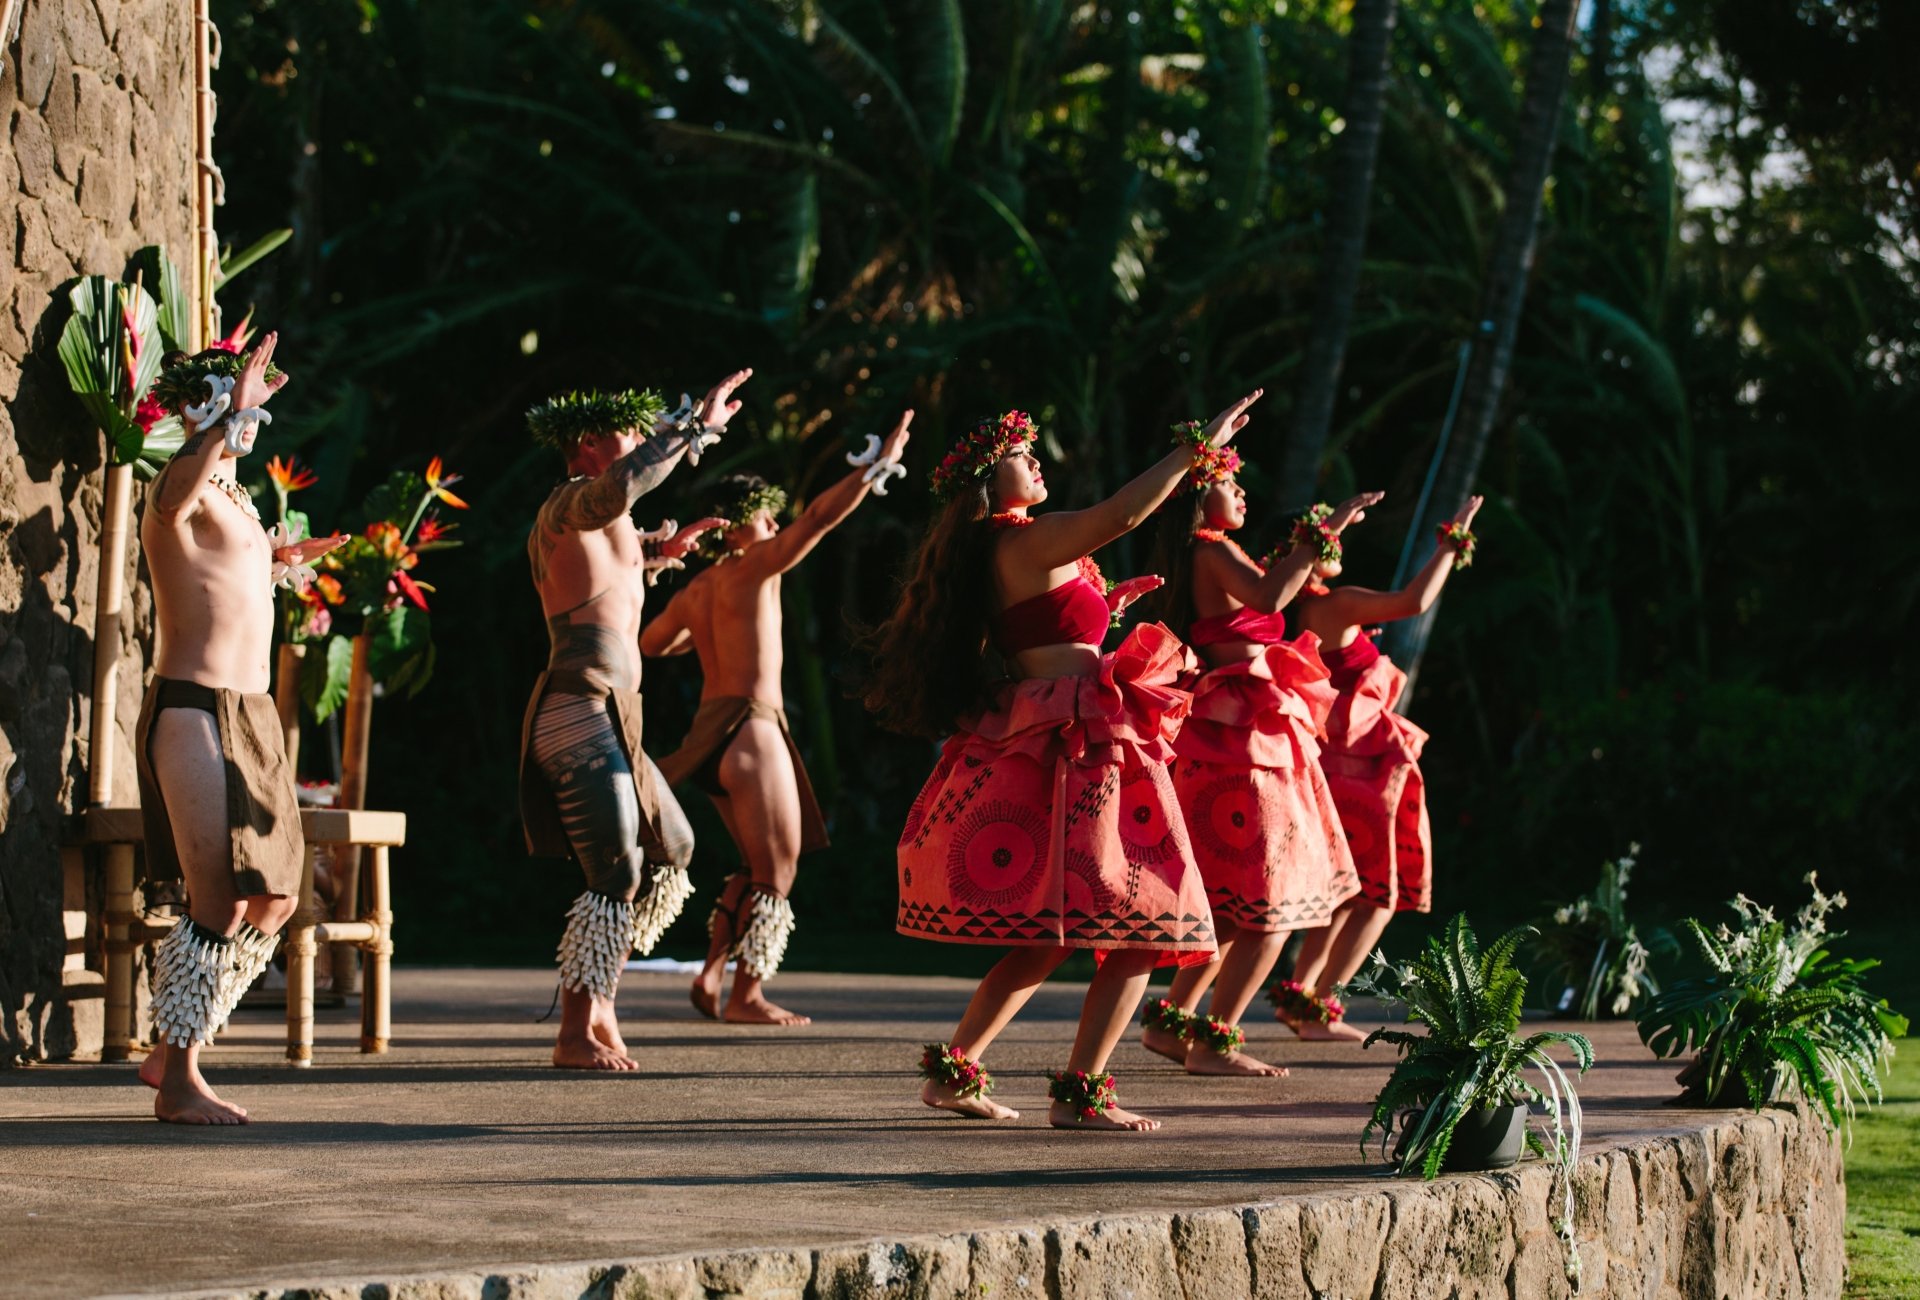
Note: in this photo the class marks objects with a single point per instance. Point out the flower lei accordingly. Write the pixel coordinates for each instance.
(1167, 1016)
(1216, 1034)
(956, 1070)
(1461, 539)
(742, 509)
(1297, 1003)
(1211, 464)
(975, 455)
(1209, 535)
(1088, 1094)
(1310, 529)
(565, 418)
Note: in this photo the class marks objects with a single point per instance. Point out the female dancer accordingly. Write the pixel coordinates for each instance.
(1246, 767)
(1049, 823)
(1372, 762)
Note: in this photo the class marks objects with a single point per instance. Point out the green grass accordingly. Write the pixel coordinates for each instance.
(1883, 1214)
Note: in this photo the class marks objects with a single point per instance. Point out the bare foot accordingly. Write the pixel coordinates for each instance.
(190, 1101)
(1162, 1042)
(590, 1054)
(1112, 1119)
(940, 1097)
(606, 1032)
(1201, 1059)
(705, 995)
(756, 1010)
(1313, 1031)
(155, 1065)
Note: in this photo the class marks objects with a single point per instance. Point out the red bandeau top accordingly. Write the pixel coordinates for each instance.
(1243, 624)
(1346, 664)
(1073, 612)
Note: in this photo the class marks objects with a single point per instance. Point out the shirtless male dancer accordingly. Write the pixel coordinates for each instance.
(216, 791)
(739, 749)
(587, 790)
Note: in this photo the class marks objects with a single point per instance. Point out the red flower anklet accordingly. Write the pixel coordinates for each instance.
(1088, 1094)
(956, 1070)
(1216, 1035)
(1167, 1016)
(1298, 1004)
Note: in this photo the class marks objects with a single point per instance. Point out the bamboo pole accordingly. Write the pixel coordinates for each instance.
(286, 699)
(108, 613)
(353, 794)
(206, 196)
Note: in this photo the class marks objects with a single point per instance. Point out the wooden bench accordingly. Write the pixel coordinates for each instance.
(114, 832)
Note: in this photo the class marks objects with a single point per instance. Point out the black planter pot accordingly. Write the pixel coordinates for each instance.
(1492, 1137)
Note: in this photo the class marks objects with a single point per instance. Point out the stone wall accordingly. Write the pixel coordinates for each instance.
(97, 97)
(1750, 1207)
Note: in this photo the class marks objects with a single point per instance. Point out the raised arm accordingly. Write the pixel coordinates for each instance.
(596, 502)
(825, 512)
(1060, 537)
(1242, 579)
(187, 473)
(668, 633)
(1358, 606)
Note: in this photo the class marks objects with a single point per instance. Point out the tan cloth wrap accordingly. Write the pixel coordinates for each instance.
(539, 814)
(713, 729)
(263, 808)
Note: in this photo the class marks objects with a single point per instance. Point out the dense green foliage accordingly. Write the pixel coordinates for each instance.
(1471, 1055)
(1697, 548)
(1777, 1015)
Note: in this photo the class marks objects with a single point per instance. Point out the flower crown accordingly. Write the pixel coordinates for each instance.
(185, 381)
(1211, 464)
(975, 455)
(762, 496)
(565, 418)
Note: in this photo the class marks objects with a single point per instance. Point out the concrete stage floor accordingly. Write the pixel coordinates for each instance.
(462, 1148)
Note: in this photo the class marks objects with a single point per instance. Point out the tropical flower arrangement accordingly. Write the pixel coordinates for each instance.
(111, 348)
(1591, 952)
(1472, 1060)
(367, 586)
(1778, 1014)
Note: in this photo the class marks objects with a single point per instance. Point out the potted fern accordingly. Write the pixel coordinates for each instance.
(1461, 1091)
(1592, 953)
(1777, 1014)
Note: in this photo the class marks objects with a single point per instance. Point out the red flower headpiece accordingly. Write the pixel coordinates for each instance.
(974, 456)
(1211, 464)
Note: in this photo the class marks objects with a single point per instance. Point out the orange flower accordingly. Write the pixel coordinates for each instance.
(328, 588)
(391, 544)
(438, 481)
(290, 475)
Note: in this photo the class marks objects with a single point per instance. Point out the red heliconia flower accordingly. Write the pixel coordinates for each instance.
(437, 482)
(149, 413)
(409, 591)
(432, 530)
(236, 342)
(290, 475)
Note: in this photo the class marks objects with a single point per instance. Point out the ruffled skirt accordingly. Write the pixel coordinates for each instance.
(1372, 760)
(1051, 821)
(1257, 805)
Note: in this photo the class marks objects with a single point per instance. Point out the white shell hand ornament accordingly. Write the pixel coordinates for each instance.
(878, 471)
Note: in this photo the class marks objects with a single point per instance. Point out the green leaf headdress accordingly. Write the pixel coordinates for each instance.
(754, 495)
(564, 419)
(183, 380)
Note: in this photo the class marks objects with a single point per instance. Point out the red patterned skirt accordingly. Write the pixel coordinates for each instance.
(1051, 821)
(1372, 759)
(1257, 806)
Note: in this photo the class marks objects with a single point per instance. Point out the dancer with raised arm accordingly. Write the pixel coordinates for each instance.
(1372, 761)
(1050, 822)
(217, 795)
(1246, 764)
(739, 750)
(587, 789)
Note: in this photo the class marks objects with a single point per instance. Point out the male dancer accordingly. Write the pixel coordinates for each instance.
(216, 791)
(586, 787)
(739, 749)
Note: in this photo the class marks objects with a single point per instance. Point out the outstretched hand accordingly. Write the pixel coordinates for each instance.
(1221, 429)
(681, 542)
(253, 388)
(1126, 592)
(719, 408)
(309, 549)
(1463, 517)
(897, 440)
(1353, 510)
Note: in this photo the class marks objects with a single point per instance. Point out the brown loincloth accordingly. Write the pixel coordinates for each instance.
(540, 815)
(713, 729)
(263, 808)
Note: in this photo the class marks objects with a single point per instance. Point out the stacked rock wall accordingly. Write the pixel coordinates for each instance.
(97, 102)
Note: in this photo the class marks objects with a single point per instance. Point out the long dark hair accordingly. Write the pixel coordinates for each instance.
(1172, 558)
(931, 657)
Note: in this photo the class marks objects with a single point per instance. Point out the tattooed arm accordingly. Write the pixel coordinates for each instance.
(185, 476)
(592, 504)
